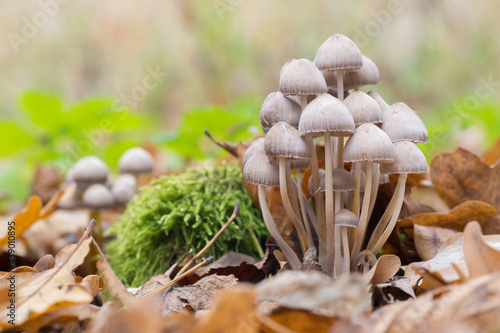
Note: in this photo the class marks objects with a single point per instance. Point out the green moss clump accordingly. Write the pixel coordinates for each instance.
(175, 213)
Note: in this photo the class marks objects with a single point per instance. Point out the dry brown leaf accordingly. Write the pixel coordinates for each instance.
(300, 321)
(462, 176)
(455, 219)
(94, 282)
(385, 268)
(481, 259)
(114, 286)
(492, 155)
(428, 240)
(233, 311)
(79, 312)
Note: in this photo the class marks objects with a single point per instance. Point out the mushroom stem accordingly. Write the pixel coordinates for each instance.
(330, 227)
(400, 190)
(340, 84)
(345, 242)
(318, 202)
(288, 252)
(340, 152)
(310, 214)
(375, 185)
(303, 101)
(303, 212)
(338, 259)
(292, 195)
(363, 220)
(366, 268)
(382, 223)
(288, 206)
(357, 189)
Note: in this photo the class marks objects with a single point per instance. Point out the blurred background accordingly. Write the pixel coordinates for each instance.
(94, 77)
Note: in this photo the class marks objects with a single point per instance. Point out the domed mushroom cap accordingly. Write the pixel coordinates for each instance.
(368, 74)
(259, 170)
(403, 124)
(366, 257)
(123, 191)
(346, 218)
(363, 108)
(276, 108)
(257, 146)
(338, 52)
(299, 164)
(301, 77)
(127, 179)
(369, 143)
(97, 196)
(310, 183)
(380, 101)
(407, 159)
(326, 114)
(136, 161)
(342, 180)
(90, 170)
(283, 140)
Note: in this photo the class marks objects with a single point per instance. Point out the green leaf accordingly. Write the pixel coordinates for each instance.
(44, 111)
(13, 139)
(15, 180)
(115, 150)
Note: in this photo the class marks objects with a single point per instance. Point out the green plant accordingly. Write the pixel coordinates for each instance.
(178, 212)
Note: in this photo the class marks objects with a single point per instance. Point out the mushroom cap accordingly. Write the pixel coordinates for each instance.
(342, 180)
(259, 170)
(380, 101)
(136, 161)
(346, 218)
(407, 159)
(97, 196)
(276, 108)
(366, 257)
(256, 146)
(299, 164)
(123, 189)
(126, 179)
(368, 74)
(363, 108)
(321, 181)
(326, 114)
(283, 140)
(369, 143)
(90, 170)
(401, 123)
(338, 52)
(301, 77)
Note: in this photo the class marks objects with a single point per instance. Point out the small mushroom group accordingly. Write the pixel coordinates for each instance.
(94, 189)
(377, 138)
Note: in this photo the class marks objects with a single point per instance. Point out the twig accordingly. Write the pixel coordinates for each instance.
(231, 149)
(199, 254)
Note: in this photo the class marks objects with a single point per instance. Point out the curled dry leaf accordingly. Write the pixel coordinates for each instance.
(300, 321)
(114, 286)
(462, 176)
(385, 268)
(45, 263)
(428, 240)
(481, 259)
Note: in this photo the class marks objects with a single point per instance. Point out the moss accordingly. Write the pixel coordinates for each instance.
(175, 213)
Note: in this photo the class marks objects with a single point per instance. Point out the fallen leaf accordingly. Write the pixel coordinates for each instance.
(24, 218)
(114, 286)
(395, 290)
(78, 312)
(45, 263)
(428, 240)
(481, 259)
(384, 269)
(492, 155)
(46, 182)
(300, 321)
(462, 176)
(94, 282)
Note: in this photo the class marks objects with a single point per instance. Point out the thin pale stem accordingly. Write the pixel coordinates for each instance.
(357, 188)
(330, 227)
(303, 101)
(256, 242)
(340, 84)
(288, 206)
(287, 251)
(375, 185)
(338, 259)
(340, 152)
(302, 204)
(400, 190)
(347, 259)
(310, 214)
(363, 219)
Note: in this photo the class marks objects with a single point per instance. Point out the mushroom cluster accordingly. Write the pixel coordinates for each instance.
(320, 102)
(94, 189)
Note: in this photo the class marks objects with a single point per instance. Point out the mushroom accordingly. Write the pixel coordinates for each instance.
(95, 198)
(366, 259)
(407, 159)
(380, 101)
(346, 219)
(368, 143)
(124, 189)
(402, 123)
(255, 146)
(136, 161)
(367, 75)
(325, 116)
(89, 170)
(276, 108)
(283, 143)
(259, 170)
(300, 77)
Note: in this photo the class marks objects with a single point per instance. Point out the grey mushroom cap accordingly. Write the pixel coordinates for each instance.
(283, 140)
(124, 189)
(366, 257)
(380, 101)
(326, 114)
(301, 77)
(368, 74)
(299, 164)
(256, 146)
(369, 143)
(401, 123)
(277, 107)
(90, 170)
(363, 108)
(321, 182)
(127, 179)
(346, 218)
(342, 180)
(259, 170)
(97, 196)
(338, 52)
(136, 161)
(408, 158)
